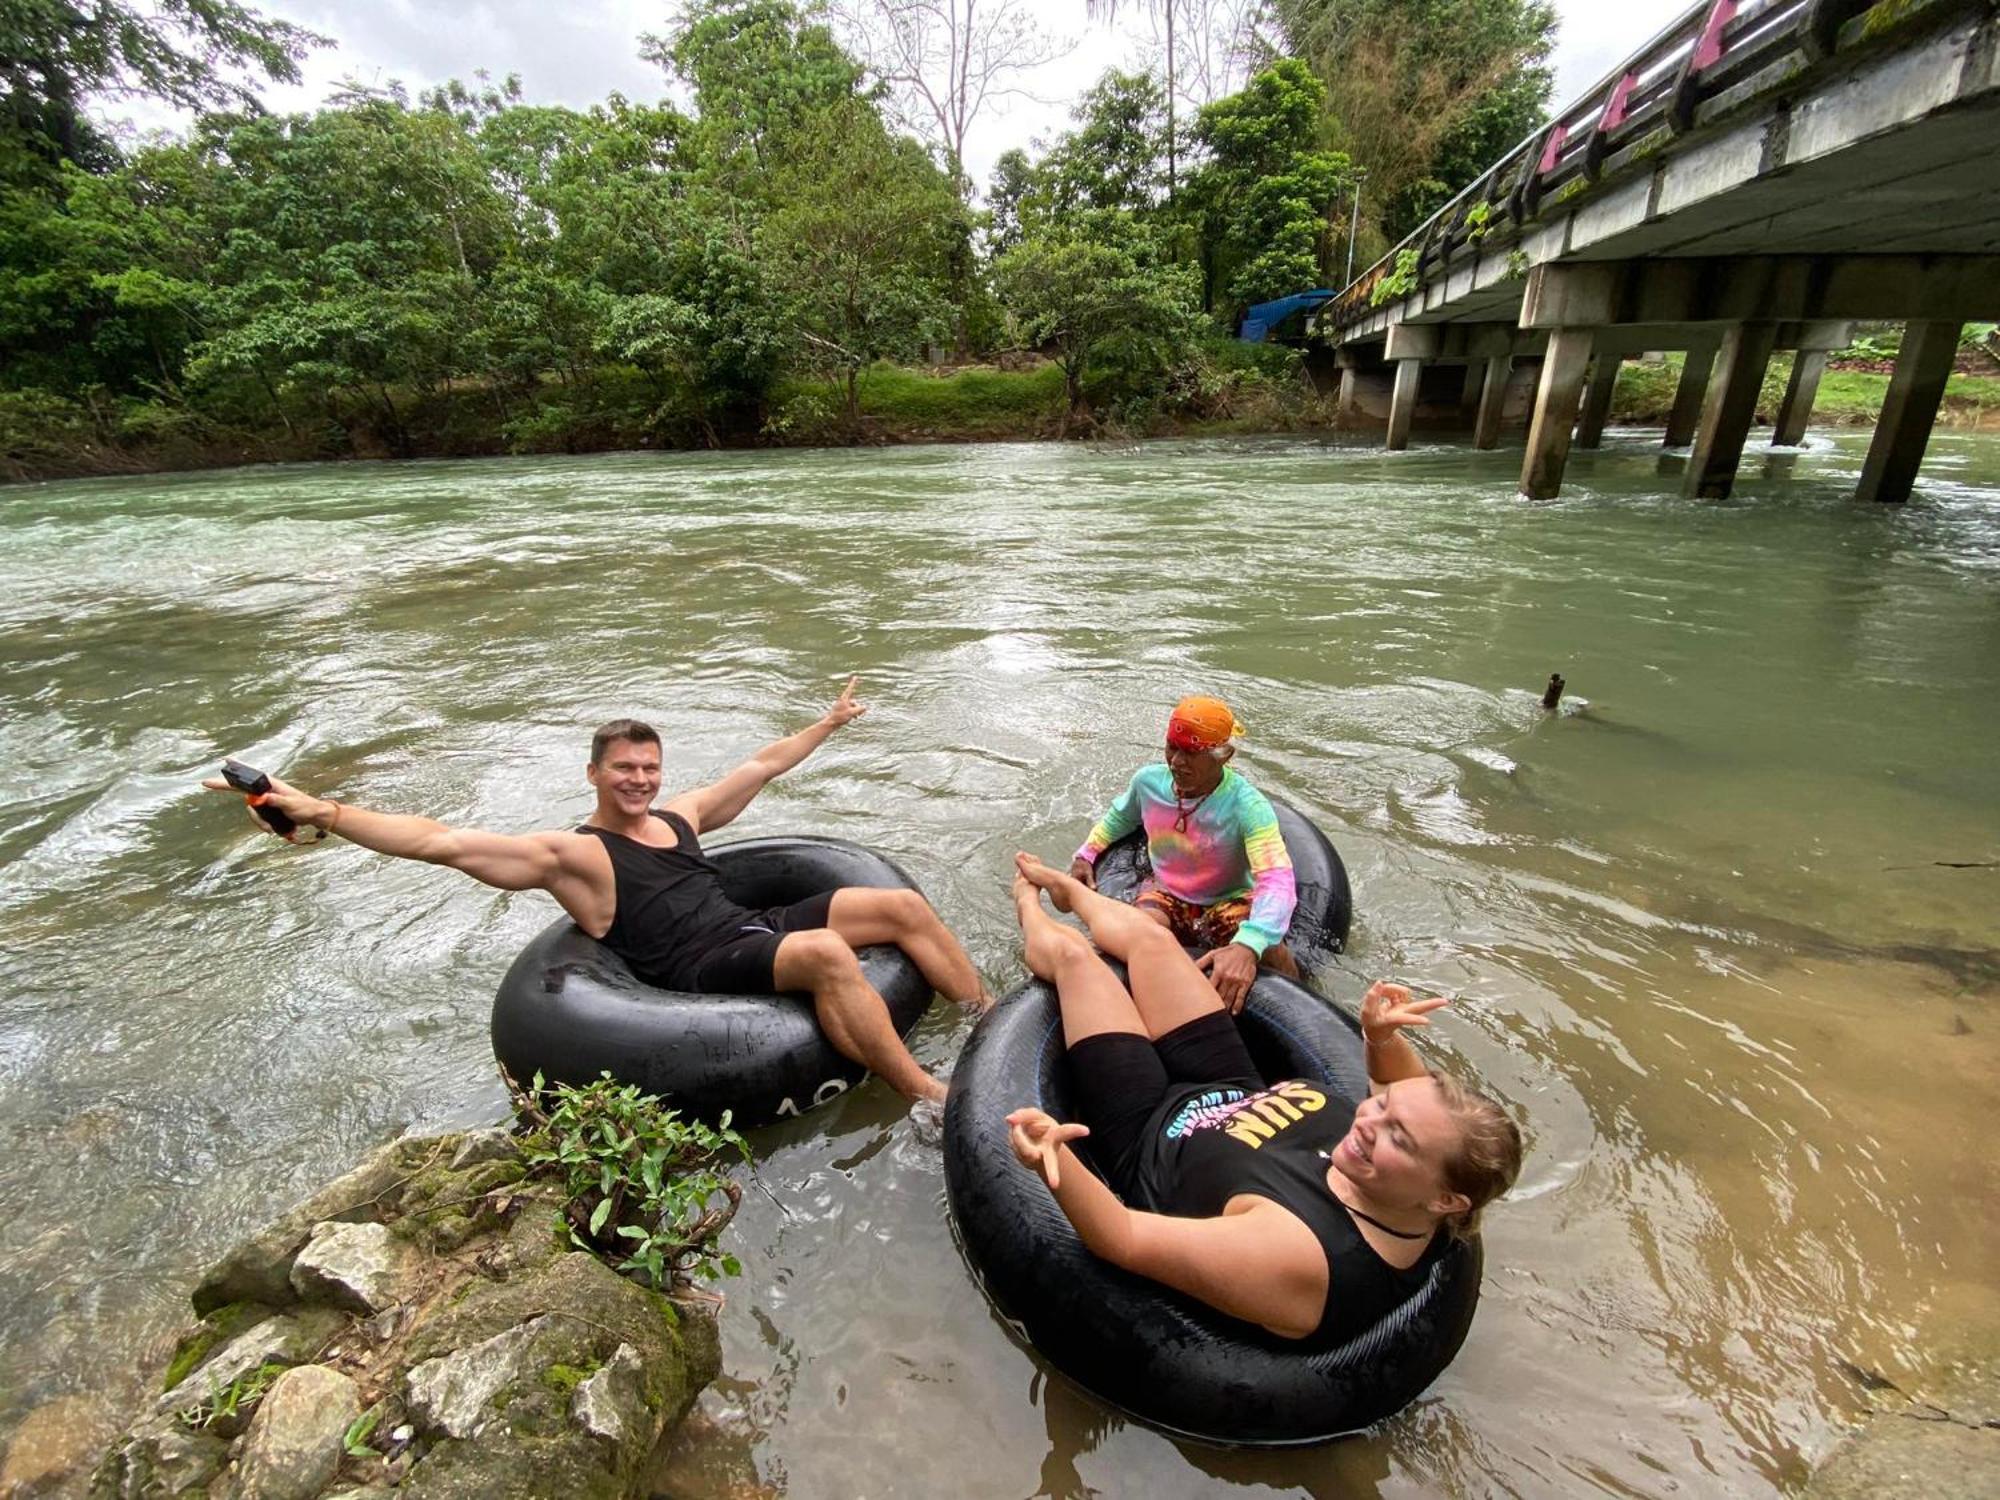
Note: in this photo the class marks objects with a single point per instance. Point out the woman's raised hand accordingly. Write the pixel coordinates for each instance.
(1038, 1138)
(1387, 1008)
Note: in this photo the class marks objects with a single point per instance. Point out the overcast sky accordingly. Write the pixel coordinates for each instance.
(577, 51)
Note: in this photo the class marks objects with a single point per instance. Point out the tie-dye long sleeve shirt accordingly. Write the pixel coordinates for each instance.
(1231, 848)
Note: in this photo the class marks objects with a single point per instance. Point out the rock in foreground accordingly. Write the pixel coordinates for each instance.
(420, 1324)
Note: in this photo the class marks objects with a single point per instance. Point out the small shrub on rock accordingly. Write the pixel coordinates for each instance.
(641, 1184)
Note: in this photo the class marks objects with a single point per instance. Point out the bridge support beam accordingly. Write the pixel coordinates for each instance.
(1492, 401)
(1909, 412)
(1470, 392)
(1731, 408)
(1563, 369)
(1689, 395)
(1343, 404)
(1597, 400)
(1800, 392)
(1410, 345)
(1403, 404)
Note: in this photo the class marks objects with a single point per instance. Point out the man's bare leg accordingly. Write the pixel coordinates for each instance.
(1093, 1001)
(862, 915)
(1166, 986)
(853, 1015)
(1278, 959)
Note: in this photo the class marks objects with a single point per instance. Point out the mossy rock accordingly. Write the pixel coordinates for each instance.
(210, 1334)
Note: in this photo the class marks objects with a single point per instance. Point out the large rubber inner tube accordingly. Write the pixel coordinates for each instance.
(1326, 907)
(570, 1009)
(1166, 1359)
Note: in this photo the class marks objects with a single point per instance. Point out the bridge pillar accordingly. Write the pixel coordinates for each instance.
(1343, 404)
(1731, 408)
(1597, 400)
(1470, 392)
(1800, 391)
(1403, 403)
(1409, 346)
(1685, 417)
(1910, 410)
(1492, 401)
(1563, 369)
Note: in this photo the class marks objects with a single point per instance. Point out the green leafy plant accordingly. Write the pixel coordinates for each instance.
(237, 1398)
(641, 1185)
(355, 1439)
(1399, 282)
(1477, 221)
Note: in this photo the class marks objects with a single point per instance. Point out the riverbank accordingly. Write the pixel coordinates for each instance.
(1225, 391)
(1218, 389)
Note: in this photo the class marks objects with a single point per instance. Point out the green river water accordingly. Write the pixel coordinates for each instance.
(1696, 925)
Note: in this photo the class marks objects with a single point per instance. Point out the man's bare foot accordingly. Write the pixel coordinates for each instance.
(1047, 878)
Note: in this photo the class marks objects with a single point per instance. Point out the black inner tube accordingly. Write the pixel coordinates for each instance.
(1165, 1358)
(571, 1010)
(1326, 904)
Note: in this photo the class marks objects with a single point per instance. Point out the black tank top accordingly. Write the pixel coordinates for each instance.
(1208, 1145)
(671, 910)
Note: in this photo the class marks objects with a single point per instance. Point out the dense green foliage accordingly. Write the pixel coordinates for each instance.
(469, 272)
(1426, 94)
(641, 1185)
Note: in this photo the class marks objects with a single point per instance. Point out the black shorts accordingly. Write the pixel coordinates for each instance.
(741, 961)
(1119, 1082)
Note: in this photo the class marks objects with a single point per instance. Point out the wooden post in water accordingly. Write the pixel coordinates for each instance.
(1563, 368)
(1910, 410)
(1492, 401)
(1807, 367)
(1685, 418)
(1410, 345)
(1597, 401)
(1731, 408)
(1470, 392)
(1552, 695)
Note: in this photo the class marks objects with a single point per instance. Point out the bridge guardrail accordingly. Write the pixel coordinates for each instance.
(1713, 49)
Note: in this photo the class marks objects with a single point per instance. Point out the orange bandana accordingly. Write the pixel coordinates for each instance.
(1201, 724)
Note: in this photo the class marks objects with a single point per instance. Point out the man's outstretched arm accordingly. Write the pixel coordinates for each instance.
(713, 806)
(510, 862)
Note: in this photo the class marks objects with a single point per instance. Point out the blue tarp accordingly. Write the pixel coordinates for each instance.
(1261, 319)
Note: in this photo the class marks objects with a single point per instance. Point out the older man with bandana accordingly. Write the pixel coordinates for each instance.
(1222, 881)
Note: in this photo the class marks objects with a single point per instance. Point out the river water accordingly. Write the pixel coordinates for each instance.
(1724, 933)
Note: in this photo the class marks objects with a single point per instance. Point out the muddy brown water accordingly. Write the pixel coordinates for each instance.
(1724, 933)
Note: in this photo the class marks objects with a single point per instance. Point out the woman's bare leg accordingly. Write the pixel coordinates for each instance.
(1093, 1001)
(1168, 990)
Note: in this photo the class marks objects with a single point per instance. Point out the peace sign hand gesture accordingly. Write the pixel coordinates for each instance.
(1038, 1138)
(845, 710)
(1388, 1008)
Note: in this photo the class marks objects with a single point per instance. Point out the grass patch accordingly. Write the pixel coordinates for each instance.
(1846, 398)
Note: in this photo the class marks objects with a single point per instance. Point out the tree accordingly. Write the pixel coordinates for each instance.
(1265, 196)
(57, 54)
(759, 69)
(1214, 35)
(857, 247)
(1079, 289)
(1423, 93)
(1115, 157)
(944, 60)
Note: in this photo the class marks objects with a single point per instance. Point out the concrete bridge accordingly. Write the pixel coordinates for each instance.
(1755, 178)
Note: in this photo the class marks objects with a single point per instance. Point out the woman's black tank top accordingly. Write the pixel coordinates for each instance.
(1205, 1148)
(671, 910)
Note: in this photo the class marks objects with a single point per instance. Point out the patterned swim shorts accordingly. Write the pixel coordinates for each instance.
(1200, 927)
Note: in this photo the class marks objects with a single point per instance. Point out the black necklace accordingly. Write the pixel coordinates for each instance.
(1368, 1218)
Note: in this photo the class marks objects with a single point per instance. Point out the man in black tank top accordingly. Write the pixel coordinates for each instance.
(634, 876)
